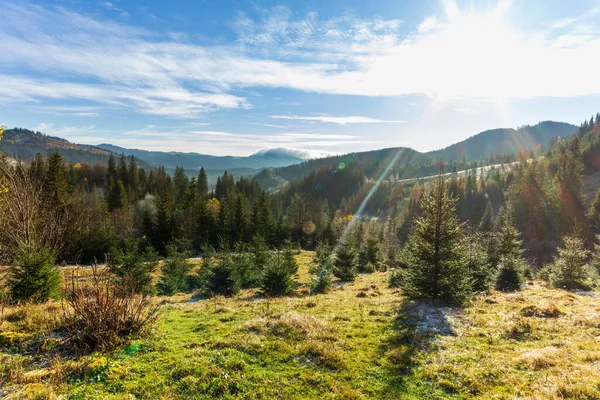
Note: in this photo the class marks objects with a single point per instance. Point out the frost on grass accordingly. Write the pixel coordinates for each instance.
(428, 319)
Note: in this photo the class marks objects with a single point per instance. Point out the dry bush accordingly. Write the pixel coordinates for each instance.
(293, 326)
(100, 316)
(26, 217)
(547, 311)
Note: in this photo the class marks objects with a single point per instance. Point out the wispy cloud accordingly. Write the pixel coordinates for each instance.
(267, 125)
(338, 120)
(109, 6)
(56, 53)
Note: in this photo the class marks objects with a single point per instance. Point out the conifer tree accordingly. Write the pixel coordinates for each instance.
(122, 172)
(594, 213)
(165, 223)
(344, 262)
(202, 183)
(436, 259)
(34, 275)
(487, 219)
(570, 269)
(133, 177)
(112, 168)
(117, 196)
(56, 181)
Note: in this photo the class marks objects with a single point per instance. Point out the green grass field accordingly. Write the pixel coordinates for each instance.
(362, 340)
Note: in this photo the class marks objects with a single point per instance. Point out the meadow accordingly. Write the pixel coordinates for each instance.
(361, 340)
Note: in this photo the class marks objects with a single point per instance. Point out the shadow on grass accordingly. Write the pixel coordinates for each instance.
(415, 331)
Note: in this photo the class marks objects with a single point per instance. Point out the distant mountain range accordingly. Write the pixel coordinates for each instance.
(193, 161)
(286, 164)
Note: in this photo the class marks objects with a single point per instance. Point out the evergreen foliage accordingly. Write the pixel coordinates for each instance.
(175, 271)
(510, 274)
(437, 268)
(133, 267)
(344, 262)
(570, 269)
(34, 275)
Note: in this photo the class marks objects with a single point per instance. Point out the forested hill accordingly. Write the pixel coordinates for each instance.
(488, 147)
(505, 141)
(25, 144)
(193, 161)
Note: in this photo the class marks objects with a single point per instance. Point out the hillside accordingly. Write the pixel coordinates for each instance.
(488, 147)
(25, 144)
(505, 141)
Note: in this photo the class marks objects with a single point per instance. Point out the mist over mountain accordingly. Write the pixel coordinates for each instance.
(194, 161)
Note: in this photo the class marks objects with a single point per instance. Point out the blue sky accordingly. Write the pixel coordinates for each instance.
(232, 76)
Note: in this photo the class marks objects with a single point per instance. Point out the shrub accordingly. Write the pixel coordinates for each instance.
(480, 271)
(570, 269)
(219, 275)
(322, 254)
(133, 267)
(322, 281)
(278, 276)
(510, 274)
(344, 264)
(260, 257)
(34, 275)
(175, 271)
(101, 316)
(397, 277)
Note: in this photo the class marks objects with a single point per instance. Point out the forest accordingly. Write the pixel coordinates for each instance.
(142, 234)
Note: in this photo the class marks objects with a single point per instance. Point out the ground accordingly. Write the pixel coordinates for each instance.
(362, 340)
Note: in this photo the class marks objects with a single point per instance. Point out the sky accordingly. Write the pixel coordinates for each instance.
(231, 77)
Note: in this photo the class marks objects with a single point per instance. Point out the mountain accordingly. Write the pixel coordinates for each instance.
(25, 144)
(287, 165)
(505, 141)
(492, 146)
(271, 158)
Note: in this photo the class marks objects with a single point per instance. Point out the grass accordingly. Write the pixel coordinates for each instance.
(362, 340)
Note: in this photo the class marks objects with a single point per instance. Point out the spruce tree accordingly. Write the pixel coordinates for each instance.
(202, 183)
(112, 168)
(175, 271)
(570, 269)
(344, 263)
(117, 196)
(487, 219)
(594, 213)
(56, 181)
(134, 267)
(34, 275)
(437, 268)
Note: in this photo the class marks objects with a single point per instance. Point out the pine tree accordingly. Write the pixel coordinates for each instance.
(133, 176)
(202, 183)
(509, 242)
(134, 267)
(344, 263)
(175, 271)
(487, 219)
(122, 172)
(570, 269)
(436, 259)
(34, 275)
(594, 213)
(112, 168)
(56, 181)
(117, 196)
(165, 223)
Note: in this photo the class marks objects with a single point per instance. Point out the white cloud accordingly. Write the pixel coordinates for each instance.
(109, 6)
(267, 125)
(338, 120)
(65, 55)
